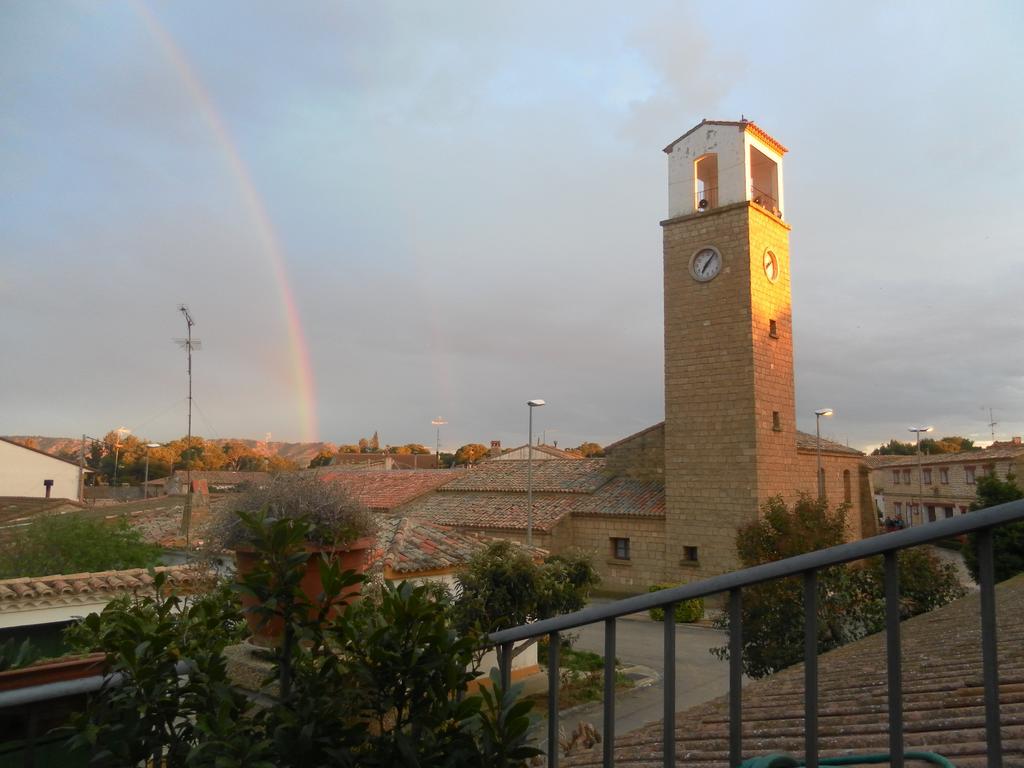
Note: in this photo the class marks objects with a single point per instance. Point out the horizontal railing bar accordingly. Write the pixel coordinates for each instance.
(822, 558)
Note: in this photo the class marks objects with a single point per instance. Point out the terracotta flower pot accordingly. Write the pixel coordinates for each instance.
(352, 556)
(53, 671)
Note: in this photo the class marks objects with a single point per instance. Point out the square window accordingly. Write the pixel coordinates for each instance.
(927, 478)
(944, 476)
(690, 554)
(620, 549)
(969, 472)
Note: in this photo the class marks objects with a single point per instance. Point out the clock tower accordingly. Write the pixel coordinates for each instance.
(730, 432)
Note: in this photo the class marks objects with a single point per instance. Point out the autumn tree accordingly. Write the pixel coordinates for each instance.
(348, 449)
(322, 459)
(471, 453)
(589, 450)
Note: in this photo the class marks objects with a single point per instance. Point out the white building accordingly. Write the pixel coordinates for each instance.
(28, 472)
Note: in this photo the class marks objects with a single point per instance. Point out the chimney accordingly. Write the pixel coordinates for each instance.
(495, 451)
(1016, 440)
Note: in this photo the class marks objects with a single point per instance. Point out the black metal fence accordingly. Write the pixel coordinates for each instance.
(807, 566)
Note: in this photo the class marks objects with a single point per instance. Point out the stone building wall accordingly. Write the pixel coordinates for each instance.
(593, 535)
(641, 456)
(846, 482)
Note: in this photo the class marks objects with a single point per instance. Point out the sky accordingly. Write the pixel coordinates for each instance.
(381, 213)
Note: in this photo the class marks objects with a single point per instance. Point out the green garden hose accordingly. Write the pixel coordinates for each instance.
(784, 761)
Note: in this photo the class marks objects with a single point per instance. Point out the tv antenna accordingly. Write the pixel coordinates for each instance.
(991, 422)
(188, 344)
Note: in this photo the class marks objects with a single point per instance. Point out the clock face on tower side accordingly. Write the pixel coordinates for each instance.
(705, 264)
(771, 265)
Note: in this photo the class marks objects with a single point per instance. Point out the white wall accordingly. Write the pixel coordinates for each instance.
(22, 472)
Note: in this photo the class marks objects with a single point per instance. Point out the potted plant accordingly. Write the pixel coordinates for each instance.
(24, 666)
(332, 526)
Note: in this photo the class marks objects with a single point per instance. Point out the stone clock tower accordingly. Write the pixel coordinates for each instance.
(730, 432)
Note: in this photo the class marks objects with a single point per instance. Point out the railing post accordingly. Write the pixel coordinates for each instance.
(735, 677)
(505, 665)
(811, 669)
(553, 743)
(609, 693)
(893, 658)
(669, 716)
(989, 649)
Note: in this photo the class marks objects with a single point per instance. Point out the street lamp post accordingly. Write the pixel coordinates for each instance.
(529, 474)
(920, 479)
(817, 429)
(121, 432)
(145, 483)
(438, 422)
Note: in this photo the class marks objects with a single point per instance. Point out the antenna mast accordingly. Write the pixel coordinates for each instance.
(992, 424)
(188, 344)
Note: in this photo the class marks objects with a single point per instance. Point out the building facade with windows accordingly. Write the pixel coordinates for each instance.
(944, 486)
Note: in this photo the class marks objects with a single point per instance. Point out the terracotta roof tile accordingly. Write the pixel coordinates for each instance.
(624, 496)
(943, 698)
(998, 453)
(408, 545)
(497, 511)
(16, 592)
(551, 475)
(382, 490)
(808, 442)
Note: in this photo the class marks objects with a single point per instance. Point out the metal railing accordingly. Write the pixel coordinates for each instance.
(766, 200)
(806, 565)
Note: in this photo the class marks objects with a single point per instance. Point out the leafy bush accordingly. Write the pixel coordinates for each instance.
(686, 612)
(851, 598)
(75, 544)
(1007, 540)
(383, 683)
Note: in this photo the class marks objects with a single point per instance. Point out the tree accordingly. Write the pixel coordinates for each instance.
(851, 602)
(348, 449)
(503, 586)
(895, 448)
(471, 453)
(375, 442)
(929, 446)
(74, 544)
(589, 450)
(322, 459)
(1007, 540)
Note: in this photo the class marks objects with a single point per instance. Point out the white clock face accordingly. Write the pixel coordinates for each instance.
(771, 266)
(705, 264)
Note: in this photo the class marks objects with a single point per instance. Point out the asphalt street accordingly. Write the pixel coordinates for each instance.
(699, 675)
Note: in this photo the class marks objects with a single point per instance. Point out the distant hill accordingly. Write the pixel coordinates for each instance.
(300, 453)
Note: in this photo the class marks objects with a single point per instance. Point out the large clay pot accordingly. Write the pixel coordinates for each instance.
(353, 557)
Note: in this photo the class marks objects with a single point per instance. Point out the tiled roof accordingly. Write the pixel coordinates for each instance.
(547, 450)
(222, 477)
(382, 490)
(495, 511)
(31, 592)
(998, 453)
(748, 126)
(808, 442)
(942, 698)
(554, 475)
(624, 496)
(407, 545)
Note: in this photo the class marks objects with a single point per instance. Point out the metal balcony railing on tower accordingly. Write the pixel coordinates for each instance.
(732, 584)
(766, 200)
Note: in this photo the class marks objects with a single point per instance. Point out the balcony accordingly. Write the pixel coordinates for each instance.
(766, 200)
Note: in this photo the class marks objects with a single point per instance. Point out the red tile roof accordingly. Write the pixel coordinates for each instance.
(554, 475)
(943, 698)
(385, 490)
(494, 511)
(624, 496)
(808, 442)
(106, 584)
(999, 453)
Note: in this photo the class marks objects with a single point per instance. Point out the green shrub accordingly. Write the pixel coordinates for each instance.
(687, 611)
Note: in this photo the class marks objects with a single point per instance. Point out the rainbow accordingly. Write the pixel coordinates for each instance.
(299, 363)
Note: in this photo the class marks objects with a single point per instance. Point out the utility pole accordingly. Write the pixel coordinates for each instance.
(188, 344)
(81, 470)
(438, 422)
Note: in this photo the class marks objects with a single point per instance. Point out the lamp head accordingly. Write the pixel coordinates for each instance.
(920, 429)
(824, 412)
(535, 403)
(152, 445)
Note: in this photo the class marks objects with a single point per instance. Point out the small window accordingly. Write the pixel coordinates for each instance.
(944, 476)
(895, 477)
(620, 549)
(947, 511)
(931, 513)
(773, 329)
(969, 472)
(963, 510)
(906, 477)
(898, 507)
(847, 487)
(776, 421)
(690, 554)
(927, 476)
(990, 470)
(706, 182)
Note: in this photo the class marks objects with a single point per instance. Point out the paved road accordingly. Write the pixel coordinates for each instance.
(699, 675)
